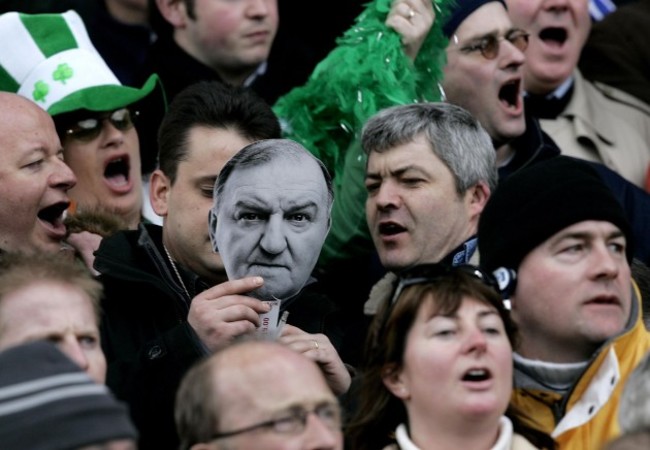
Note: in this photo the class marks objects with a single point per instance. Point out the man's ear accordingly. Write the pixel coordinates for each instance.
(173, 11)
(391, 375)
(477, 197)
(212, 229)
(159, 189)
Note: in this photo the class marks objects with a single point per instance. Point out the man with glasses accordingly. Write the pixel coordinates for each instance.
(485, 74)
(257, 394)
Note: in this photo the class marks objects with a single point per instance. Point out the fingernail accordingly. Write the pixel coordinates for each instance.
(258, 280)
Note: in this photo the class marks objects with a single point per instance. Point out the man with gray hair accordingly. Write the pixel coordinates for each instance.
(430, 170)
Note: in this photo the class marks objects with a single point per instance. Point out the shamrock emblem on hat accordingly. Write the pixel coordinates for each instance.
(41, 89)
(62, 73)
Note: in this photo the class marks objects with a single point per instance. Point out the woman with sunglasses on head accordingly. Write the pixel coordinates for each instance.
(438, 368)
(95, 115)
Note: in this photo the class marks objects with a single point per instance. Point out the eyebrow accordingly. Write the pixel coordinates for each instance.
(253, 202)
(454, 316)
(399, 172)
(207, 179)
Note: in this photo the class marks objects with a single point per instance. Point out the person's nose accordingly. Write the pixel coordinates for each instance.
(70, 346)
(274, 240)
(475, 341)
(62, 176)
(605, 263)
(513, 57)
(111, 135)
(557, 5)
(387, 196)
(318, 435)
(258, 8)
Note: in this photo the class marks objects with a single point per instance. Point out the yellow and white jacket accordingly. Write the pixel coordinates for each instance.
(586, 417)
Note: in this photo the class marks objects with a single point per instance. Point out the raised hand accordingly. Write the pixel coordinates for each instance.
(222, 312)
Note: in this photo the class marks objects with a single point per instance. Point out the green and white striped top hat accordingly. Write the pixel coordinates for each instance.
(50, 59)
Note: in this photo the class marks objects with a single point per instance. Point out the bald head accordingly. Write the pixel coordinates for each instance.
(34, 180)
(250, 383)
(257, 361)
(13, 107)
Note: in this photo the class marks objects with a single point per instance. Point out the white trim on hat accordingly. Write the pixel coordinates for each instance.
(71, 68)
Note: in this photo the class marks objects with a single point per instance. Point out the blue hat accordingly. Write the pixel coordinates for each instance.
(459, 12)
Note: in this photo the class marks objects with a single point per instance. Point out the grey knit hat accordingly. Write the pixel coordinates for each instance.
(48, 403)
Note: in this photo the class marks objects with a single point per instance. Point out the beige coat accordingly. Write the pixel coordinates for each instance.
(604, 124)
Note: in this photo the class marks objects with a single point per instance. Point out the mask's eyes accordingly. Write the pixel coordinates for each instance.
(250, 216)
(299, 217)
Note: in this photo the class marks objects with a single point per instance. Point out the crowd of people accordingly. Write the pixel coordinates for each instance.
(428, 233)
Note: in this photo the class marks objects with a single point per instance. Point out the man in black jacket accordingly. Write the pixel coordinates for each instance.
(151, 340)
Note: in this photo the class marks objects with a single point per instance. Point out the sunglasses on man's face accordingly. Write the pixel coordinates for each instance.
(89, 128)
(489, 45)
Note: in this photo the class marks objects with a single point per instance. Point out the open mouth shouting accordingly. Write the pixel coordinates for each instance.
(117, 174)
(554, 37)
(477, 377)
(51, 217)
(510, 95)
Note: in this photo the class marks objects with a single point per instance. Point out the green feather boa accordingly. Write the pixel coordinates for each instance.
(366, 72)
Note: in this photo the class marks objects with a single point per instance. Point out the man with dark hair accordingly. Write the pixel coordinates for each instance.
(220, 40)
(151, 340)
